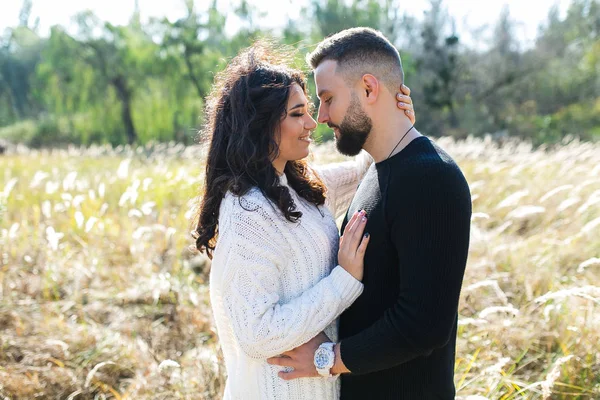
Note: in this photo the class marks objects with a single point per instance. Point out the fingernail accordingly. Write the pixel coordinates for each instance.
(363, 212)
(367, 235)
(401, 104)
(364, 219)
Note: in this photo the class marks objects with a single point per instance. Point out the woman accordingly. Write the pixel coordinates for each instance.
(277, 278)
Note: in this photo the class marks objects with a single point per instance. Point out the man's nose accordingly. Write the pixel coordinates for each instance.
(323, 116)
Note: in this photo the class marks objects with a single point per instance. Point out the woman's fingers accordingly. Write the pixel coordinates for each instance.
(403, 99)
(357, 232)
(411, 116)
(350, 242)
(363, 244)
(405, 103)
(347, 229)
(350, 226)
(405, 89)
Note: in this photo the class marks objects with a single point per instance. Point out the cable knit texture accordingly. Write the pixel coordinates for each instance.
(274, 284)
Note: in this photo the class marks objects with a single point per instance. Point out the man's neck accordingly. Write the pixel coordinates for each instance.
(382, 140)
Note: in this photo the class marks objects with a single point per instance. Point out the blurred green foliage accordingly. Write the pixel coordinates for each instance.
(147, 81)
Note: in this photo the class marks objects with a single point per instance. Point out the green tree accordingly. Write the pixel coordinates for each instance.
(20, 50)
(121, 56)
(438, 64)
(333, 16)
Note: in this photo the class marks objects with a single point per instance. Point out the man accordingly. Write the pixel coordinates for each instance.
(398, 339)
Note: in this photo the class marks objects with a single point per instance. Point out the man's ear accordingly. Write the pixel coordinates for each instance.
(370, 86)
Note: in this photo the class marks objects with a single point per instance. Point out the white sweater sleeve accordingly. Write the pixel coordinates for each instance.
(263, 324)
(341, 180)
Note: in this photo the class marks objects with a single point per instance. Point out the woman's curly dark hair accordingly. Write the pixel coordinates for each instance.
(243, 113)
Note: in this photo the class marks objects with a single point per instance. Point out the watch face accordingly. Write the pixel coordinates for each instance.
(321, 358)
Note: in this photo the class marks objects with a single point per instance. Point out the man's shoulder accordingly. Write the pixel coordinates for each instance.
(426, 171)
(425, 159)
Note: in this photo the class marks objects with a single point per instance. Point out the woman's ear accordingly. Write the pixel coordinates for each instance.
(370, 85)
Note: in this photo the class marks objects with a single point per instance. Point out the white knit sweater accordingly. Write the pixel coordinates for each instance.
(274, 284)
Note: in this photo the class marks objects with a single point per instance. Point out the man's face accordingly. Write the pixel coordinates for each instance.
(341, 110)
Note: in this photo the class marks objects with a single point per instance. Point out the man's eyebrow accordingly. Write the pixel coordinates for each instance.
(322, 92)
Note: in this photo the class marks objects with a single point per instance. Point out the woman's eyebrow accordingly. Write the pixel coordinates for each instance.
(297, 106)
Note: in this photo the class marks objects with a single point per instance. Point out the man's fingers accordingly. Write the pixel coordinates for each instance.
(288, 376)
(281, 361)
(274, 360)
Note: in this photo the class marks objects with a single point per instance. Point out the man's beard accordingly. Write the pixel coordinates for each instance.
(354, 129)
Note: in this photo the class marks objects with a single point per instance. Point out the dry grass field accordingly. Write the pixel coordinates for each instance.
(100, 297)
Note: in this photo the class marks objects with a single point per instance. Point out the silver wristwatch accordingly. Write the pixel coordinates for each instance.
(324, 359)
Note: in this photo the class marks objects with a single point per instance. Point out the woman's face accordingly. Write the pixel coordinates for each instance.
(293, 138)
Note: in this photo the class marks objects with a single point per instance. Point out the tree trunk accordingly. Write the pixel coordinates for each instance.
(124, 94)
(188, 63)
(17, 89)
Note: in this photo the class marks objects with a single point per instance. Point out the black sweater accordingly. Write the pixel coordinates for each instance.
(399, 336)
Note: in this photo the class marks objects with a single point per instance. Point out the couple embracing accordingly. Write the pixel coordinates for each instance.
(301, 311)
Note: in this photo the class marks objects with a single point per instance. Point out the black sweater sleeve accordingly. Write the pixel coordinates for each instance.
(429, 215)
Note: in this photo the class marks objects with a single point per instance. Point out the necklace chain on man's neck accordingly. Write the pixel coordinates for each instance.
(397, 144)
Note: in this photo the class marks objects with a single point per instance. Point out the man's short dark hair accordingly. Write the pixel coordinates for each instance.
(360, 51)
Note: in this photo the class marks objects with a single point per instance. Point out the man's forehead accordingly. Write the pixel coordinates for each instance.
(325, 76)
(326, 68)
